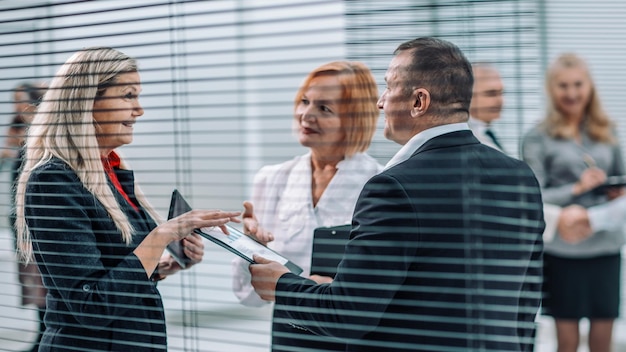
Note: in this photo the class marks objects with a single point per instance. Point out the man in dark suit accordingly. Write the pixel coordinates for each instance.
(445, 251)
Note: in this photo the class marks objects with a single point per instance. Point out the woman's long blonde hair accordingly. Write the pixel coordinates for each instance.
(596, 122)
(63, 127)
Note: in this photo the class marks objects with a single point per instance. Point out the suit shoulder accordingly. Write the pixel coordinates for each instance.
(522, 165)
(507, 161)
(391, 176)
(54, 170)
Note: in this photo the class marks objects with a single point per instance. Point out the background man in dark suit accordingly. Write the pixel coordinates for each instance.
(446, 249)
(486, 106)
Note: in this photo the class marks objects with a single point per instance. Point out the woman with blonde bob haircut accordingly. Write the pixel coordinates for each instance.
(335, 115)
(83, 219)
(572, 152)
(358, 117)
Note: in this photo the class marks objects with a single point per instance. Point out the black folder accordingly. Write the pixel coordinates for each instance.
(176, 248)
(328, 248)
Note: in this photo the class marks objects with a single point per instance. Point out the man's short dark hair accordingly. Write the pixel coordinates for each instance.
(440, 67)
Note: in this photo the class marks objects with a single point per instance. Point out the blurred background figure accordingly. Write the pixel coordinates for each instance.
(335, 116)
(572, 151)
(486, 105)
(574, 222)
(26, 98)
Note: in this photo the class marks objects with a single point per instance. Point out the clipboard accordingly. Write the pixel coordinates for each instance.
(236, 241)
(328, 248)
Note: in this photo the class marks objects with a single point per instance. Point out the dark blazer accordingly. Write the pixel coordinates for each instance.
(99, 297)
(445, 255)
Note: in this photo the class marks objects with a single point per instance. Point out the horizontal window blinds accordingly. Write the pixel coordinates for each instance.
(219, 80)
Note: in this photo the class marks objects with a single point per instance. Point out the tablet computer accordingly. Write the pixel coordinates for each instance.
(235, 241)
(328, 248)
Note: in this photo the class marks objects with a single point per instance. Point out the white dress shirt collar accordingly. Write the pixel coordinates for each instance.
(419, 139)
(476, 124)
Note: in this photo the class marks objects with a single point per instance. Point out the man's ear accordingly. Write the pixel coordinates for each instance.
(421, 99)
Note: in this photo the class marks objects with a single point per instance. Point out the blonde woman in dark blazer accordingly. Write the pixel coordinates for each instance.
(94, 236)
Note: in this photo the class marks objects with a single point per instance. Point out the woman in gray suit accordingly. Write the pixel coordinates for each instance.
(572, 151)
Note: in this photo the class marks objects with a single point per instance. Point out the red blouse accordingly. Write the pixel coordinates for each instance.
(113, 162)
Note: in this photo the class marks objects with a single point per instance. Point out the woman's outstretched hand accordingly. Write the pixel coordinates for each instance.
(251, 225)
(183, 225)
(150, 250)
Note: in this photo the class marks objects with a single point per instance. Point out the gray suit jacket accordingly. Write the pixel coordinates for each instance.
(558, 164)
